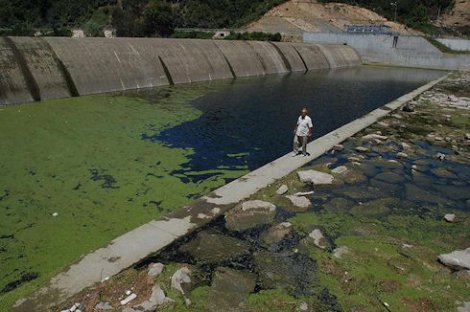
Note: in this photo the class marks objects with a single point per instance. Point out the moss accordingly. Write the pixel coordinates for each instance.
(84, 159)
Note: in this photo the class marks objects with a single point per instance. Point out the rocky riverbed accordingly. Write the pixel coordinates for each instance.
(379, 223)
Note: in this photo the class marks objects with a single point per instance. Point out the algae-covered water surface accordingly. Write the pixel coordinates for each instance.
(76, 173)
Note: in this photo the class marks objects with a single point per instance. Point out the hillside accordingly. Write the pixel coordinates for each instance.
(294, 17)
(161, 17)
(458, 16)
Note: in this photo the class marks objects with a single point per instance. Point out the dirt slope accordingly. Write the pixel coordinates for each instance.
(296, 16)
(459, 15)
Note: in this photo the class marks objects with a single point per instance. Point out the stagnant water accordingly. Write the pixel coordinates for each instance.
(75, 173)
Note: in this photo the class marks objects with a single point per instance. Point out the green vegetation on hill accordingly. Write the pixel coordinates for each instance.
(129, 17)
(160, 17)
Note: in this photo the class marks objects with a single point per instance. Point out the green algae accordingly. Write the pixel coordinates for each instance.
(84, 160)
(392, 259)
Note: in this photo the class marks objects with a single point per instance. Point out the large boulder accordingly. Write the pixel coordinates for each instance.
(250, 214)
(230, 289)
(294, 272)
(301, 203)
(215, 248)
(276, 233)
(458, 259)
(315, 177)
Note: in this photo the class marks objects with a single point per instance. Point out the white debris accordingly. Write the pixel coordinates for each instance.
(55, 214)
(203, 216)
(128, 299)
(304, 193)
(128, 292)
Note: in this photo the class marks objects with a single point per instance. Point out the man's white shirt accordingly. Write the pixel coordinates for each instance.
(303, 125)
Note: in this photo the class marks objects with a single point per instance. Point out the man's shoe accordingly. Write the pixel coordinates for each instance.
(306, 154)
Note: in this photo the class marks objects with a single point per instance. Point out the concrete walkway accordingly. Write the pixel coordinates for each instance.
(149, 238)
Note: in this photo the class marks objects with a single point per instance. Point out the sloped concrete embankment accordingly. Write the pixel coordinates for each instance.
(35, 69)
(409, 51)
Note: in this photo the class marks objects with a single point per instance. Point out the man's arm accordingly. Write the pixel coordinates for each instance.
(310, 128)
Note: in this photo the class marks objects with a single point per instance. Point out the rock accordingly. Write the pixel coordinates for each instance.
(408, 108)
(315, 177)
(103, 306)
(390, 177)
(402, 155)
(450, 217)
(458, 259)
(293, 272)
(282, 190)
(230, 289)
(339, 170)
(467, 136)
(301, 202)
(443, 173)
(214, 248)
(374, 137)
(157, 298)
(356, 193)
(318, 238)
(464, 275)
(352, 176)
(440, 156)
(179, 278)
(155, 269)
(338, 204)
(376, 207)
(340, 251)
(362, 149)
(277, 233)
(414, 193)
(249, 214)
(464, 308)
(338, 147)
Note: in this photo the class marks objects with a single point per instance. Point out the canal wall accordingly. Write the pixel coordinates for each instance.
(35, 69)
(409, 51)
(455, 44)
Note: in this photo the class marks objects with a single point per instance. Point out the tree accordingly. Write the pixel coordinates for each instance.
(158, 19)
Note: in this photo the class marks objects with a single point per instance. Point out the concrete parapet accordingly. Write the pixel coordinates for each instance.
(270, 57)
(242, 58)
(312, 55)
(44, 67)
(13, 88)
(99, 65)
(291, 56)
(455, 44)
(340, 55)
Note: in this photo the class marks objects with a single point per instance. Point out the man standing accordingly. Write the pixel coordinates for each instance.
(302, 132)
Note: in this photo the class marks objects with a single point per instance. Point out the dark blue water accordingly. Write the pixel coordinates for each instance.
(256, 117)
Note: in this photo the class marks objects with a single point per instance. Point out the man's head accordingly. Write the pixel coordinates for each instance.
(304, 112)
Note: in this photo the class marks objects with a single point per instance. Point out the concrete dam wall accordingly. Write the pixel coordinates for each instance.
(408, 51)
(35, 69)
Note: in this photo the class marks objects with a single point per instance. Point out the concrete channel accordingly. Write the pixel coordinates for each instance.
(149, 238)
